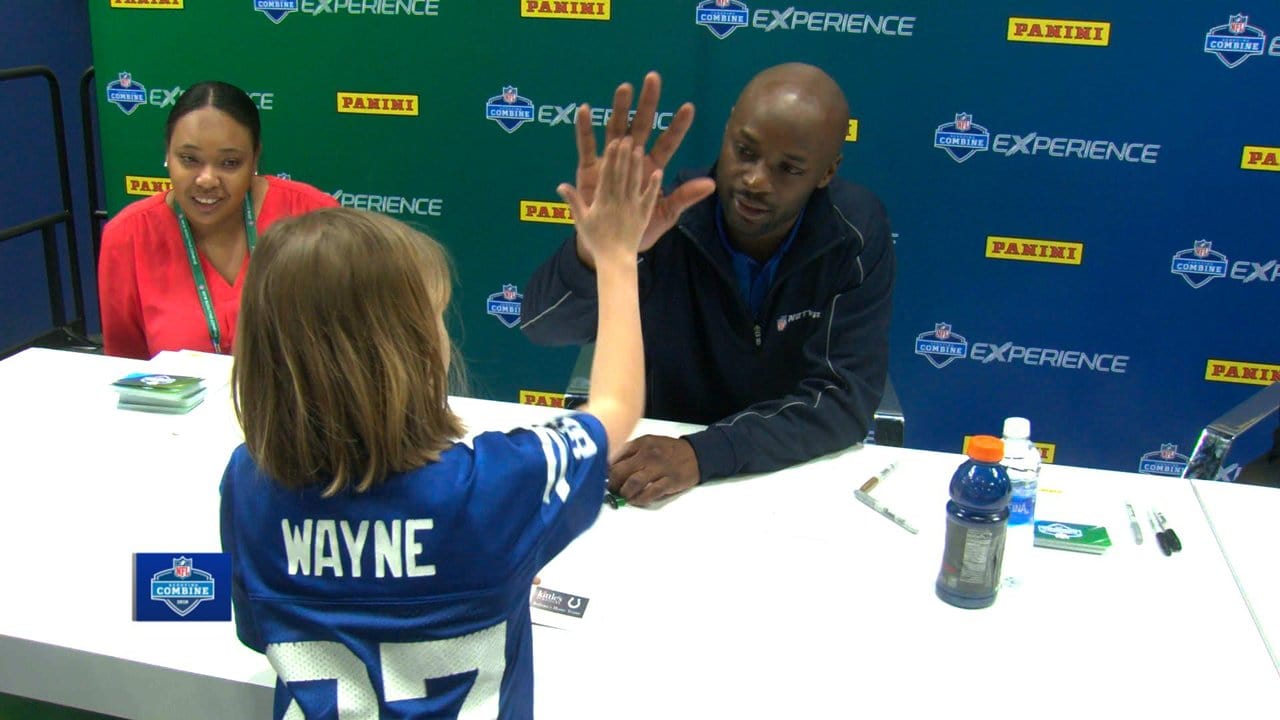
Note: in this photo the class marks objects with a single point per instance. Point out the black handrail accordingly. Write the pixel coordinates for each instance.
(97, 211)
(66, 331)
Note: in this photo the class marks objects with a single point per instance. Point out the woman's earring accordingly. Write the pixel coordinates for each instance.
(166, 162)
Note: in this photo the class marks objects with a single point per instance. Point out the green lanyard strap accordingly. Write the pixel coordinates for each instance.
(197, 272)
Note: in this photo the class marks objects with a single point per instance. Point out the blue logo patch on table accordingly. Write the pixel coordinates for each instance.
(181, 586)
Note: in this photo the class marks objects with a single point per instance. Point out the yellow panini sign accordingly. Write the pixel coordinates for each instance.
(1258, 157)
(542, 399)
(1247, 373)
(140, 185)
(377, 103)
(566, 9)
(1065, 32)
(545, 212)
(1033, 250)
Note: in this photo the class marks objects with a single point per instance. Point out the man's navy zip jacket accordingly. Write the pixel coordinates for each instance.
(801, 380)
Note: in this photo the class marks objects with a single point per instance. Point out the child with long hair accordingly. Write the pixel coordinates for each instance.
(381, 564)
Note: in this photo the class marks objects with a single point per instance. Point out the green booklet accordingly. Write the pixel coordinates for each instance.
(158, 392)
(1072, 536)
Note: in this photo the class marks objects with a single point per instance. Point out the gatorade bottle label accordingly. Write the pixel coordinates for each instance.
(971, 563)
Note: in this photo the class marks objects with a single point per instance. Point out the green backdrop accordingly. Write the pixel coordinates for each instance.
(1171, 341)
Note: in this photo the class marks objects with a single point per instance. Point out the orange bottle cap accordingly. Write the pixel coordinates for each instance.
(986, 448)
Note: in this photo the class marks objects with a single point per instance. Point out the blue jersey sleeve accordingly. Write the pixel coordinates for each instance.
(553, 485)
(582, 472)
(246, 628)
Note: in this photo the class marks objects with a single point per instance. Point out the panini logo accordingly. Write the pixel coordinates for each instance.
(147, 4)
(1246, 373)
(565, 10)
(1045, 251)
(851, 135)
(377, 104)
(1064, 32)
(545, 212)
(542, 399)
(1258, 157)
(1047, 450)
(142, 185)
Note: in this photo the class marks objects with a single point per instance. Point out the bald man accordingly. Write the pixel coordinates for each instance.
(765, 288)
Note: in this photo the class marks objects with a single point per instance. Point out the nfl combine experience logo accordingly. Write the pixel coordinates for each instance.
(962, 138)
(510, 109)
(505, 305)
(722, 17)
(126, 93)
(276, 10)
(169, 586)
(1235, 41)
(1165, 461)
(941, 347)
(1199, 264)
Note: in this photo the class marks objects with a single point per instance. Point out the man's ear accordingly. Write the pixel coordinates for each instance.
(831, 170)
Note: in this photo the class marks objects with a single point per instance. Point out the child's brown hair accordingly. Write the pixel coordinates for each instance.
(341, 371)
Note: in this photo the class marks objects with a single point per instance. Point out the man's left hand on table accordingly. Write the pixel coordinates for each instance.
(652, 467)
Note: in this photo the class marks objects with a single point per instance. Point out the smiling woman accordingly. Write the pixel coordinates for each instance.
(172, 265)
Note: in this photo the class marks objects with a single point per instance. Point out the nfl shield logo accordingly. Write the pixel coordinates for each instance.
(964, 121)
(782, 324)
(1235, 41)
(505, 305)
(510, 110)
(125, 93)
(1202, 247)
(182, 567)
(1168, 451)
(721, 17)
(275, 10)
(941, 347)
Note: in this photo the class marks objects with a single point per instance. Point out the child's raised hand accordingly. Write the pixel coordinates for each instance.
(619, 212)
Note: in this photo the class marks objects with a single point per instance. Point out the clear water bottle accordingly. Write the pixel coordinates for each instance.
(1022, 462)
(976, 522)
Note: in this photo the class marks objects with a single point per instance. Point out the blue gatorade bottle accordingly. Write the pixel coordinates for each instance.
(977, 516)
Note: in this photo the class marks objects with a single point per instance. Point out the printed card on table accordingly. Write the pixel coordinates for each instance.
(556, 608)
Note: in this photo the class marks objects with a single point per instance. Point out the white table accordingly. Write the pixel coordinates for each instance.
(777, 596)
(1243, 518)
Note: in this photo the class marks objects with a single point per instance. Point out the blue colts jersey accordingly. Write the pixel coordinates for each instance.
(410, 600)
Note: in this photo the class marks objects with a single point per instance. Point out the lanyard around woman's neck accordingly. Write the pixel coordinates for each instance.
(197, 272)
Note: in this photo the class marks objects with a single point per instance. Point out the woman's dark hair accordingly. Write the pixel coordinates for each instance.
(224, 96)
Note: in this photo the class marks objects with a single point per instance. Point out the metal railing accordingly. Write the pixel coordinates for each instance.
(66, 331)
